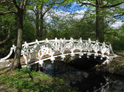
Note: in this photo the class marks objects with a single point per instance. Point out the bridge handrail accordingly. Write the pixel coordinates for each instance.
(44, 41)
(75, 40)
(33, 46)
(65, 40)
(12, 49)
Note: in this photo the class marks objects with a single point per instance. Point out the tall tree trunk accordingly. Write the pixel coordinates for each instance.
(16, 62)
(40, 32)
(37, 20)
(99, 21)
(41, 27)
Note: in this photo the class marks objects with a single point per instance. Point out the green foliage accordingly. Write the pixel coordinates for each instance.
(29, 33)
(6, 23)
(115, 37)
(66, 27)
(118, 69)
(60, 26)
(7, 26)
(24, 80)
(122, 59)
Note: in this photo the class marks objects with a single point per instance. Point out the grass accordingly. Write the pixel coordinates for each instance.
(24, 80)
(118, 51)
(122, 60)
(116, 66)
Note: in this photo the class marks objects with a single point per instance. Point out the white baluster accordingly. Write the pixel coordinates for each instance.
(26, 45)
(37, 41)
(80, 40)
(62, 56)
(14, 47)
(101, 58)
(89, 40)
(56, 39)
(24, 56)
(87, 56)
(79, 56)
(41, 62)
(47, 40)
(52, 59)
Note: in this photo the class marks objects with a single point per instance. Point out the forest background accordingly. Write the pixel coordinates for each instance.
(41, 19)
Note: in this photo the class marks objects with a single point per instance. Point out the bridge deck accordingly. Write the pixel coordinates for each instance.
(47, 56)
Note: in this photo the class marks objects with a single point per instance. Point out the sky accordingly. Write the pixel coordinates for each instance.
(74, 9)
(117, 24)
(80, 11)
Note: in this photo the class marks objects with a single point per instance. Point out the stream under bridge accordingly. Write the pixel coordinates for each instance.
(40, 51)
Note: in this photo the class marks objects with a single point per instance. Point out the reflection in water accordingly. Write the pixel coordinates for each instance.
(85, 81)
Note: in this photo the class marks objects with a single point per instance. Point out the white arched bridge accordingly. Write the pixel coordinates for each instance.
(40, 51)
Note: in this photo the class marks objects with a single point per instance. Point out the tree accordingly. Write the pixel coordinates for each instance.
(66, 25)
(29, 33)
(19, 11)
(5, 22)
(100, 7)
(40, 8)
(7, 26)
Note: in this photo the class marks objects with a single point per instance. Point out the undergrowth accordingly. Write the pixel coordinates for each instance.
(24, 80)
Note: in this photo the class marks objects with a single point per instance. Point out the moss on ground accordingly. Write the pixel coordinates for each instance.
(24, 80)
(116, 66)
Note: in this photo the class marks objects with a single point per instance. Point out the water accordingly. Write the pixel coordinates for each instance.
(85, 80)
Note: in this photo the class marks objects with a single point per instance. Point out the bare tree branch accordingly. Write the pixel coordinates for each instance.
(7, 38)
(14, 1)
(4, 1)
(109, 6)
(105, 6)
(49, 7)
(6, 12)
(61, 2)
(24, 4)
(87, 4)
(52, 4)
(119, 15)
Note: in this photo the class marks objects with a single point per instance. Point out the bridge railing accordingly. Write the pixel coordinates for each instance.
(51, 48)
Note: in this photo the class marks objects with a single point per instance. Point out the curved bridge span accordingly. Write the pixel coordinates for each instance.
(40, 51)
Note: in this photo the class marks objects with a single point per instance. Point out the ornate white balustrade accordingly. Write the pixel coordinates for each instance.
(39, 51)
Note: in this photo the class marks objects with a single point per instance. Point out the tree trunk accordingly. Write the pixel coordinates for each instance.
(99, 21)
(97, 29)
(41, 27)
(16, 63)
(37, 20)
(40, 32)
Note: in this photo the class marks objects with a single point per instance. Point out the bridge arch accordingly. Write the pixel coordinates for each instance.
(40, 51)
